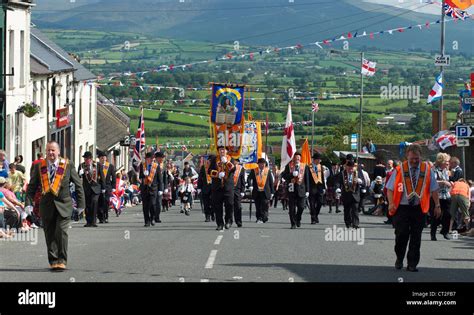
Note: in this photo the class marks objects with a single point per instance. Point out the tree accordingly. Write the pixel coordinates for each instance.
(163, 116)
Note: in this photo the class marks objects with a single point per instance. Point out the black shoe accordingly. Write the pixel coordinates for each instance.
(158, 221)
(87, 225)
(227, 226)
(147, 225)
(213, 218)
(207, 220)
(106, 221)
(152, 223)
(348, 226)
(388, 221)
(433, 237)
(398, 264)
(446, 236)
(355, 226)
(219, 228)
(293, 227)
(298, 223)
(239, 224)
(412, 269)
(101, 222)
(94, 225)
(317, 220)
(313, 222)
(337, 211)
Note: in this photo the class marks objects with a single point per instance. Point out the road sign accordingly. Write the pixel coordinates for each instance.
(463, 131)
(442, 60)
(467, 119)
(462, 142)
(468, 100)
(354, 141)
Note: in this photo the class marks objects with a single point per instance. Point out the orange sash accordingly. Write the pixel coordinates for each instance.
(262, 179)
(299, 179)
(105, 168)
(151, 175)
(317, 178)
(58, 177)
(238, 168)
(406, 173)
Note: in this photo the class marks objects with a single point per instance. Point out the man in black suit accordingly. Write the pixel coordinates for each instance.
(239, 191)
(204, 188)
(297, 175)
(317, 187)
(349, 186)
(222, 188)
(159, 156)
(151, 184)
(108, 170)
(53, 176)
(93, 181)
(262, 189)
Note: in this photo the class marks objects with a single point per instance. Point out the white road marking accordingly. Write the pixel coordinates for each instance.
(204, 280)
(211, 259)
(218, 240)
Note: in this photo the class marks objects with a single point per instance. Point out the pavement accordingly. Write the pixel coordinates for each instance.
(186, 249)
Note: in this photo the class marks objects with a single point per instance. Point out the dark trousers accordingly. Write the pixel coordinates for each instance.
(92, 205)
(159, 201)
(443, 219)
(261, 206)
(55, 231)
(149, 205)
(103, 213)
(295, 202)
(219, 201)
(315, 204)
(238, 208)
(361, 202)
(275, 199)
(206, 203)
(409, 222)
(351, 214)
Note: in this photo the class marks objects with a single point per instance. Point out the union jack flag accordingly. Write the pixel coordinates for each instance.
(315, 107)
(139, 144)
(455, 13)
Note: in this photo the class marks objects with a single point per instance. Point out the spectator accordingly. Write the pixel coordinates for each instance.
(379, 169)
(389, 166)
(442, 177)
(369, 147)
(19, 166)
(17, 180)
(460, 194)
(456, 170)
(470, 232)
(3, 161)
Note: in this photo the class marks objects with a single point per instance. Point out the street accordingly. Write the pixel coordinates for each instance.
(186, 249)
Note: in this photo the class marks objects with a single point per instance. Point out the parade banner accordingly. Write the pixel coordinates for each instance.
(251, 144)
(227, 107)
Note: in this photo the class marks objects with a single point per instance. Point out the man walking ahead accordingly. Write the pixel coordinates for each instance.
(53, 175)
(409, 190)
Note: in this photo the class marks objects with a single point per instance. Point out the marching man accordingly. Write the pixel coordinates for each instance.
(262, 189)
(317, 187)
(239, 191)
(108, 171)
(151, 184)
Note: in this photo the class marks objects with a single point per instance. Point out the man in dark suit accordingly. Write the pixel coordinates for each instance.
(151, 184)
(262, 189)
(93, 182)
(349, 185)
(317, 187)
(297, 175)
(222, 188)
(159, 156)
(239, 191)
(108, 171)
(204, 188)
(53, 176)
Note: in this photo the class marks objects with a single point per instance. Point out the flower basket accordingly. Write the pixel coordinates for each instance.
(29, 109)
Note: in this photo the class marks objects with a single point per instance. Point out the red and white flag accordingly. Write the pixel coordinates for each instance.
(368, 68)
(315, 107)
(436, 92)
(288, 145)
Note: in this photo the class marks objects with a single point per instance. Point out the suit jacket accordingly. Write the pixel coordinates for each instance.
(268, 189)
(156, 184)
(202, 182)
(94, 187)
(313, 187)
(300, 189)
(348, 197)
(240, 186)
(110, 178)
(216, 185)
(49, 202)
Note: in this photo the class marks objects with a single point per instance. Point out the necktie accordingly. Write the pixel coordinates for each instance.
(52, 173)
(414, 180)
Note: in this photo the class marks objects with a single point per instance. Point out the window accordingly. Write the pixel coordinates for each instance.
(22, 58)
(11, 58)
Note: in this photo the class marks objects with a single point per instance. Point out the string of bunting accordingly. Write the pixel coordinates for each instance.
(320, 44)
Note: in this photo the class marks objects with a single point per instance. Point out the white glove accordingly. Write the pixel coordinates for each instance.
(338, 190)
(242, 194)
(283, 180)
(224, 159)
(81, 172)
(251, 188)
(29, 209)
(307, 194)
(324, 191)
(359, 180)
(80, 210)
(221, 175)
(363, 191)
(103, 191)
(166, 191)
(160, 193)
(113, 190)
(146, 173)
(295, 173)
(271, 197)
(199, 191)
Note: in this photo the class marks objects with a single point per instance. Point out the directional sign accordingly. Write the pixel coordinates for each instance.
(468, 100)
(463, 131)
(442, 60)
(462, 142)
(354, 141)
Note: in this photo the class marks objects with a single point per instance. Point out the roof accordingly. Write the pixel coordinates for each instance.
(111, 128)
(38, 68)
(49, 57)
(81, 73)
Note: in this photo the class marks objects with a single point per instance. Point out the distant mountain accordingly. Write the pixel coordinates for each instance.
(257, 22)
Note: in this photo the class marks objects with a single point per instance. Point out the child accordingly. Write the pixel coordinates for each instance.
(376, 188)
(186, 191)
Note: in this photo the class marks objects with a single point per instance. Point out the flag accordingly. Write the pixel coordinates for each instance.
(437, 91)
(454, 12)
(446, 140)
(305, 153)
(288, 146)
(315, 107)
(460, 4)
(139, 144)
(368, 68)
